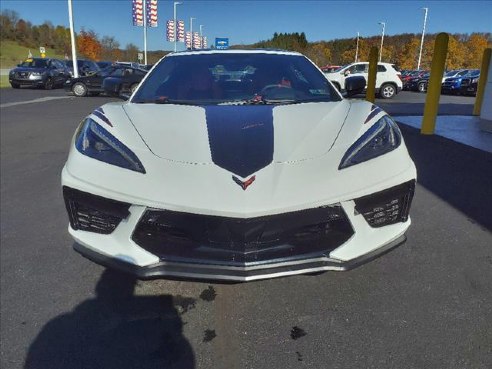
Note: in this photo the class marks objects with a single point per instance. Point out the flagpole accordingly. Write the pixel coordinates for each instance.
(72, 38)
(145, 30)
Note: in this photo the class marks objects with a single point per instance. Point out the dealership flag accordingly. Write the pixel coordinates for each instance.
(181, 31)
(188, 39)
(137, 12)
(170, 30)
(196, 40)
(151, 13)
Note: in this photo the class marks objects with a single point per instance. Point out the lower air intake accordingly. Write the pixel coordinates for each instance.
(387, 207)
(88, 212)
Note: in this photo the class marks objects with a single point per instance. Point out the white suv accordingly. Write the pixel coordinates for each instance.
(388, 81)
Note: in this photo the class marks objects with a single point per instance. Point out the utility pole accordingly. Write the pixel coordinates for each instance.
(422, 40)
(382, 40)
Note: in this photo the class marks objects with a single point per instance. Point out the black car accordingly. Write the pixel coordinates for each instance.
(104, 64)
(92, 83)
(418, 83)
(126, 80)
(39, 72)
(85, 67)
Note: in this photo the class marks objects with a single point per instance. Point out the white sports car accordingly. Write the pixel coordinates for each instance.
(237, 165)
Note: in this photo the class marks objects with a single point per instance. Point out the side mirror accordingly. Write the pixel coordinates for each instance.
(354, 85)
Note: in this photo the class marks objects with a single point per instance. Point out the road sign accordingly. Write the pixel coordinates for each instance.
(140, 57)
(42, 50)
(221, 43)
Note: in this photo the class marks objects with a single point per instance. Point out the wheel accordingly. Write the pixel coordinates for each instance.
(422, 87)
(387, 91)
(15, 85)
(133, 87)
(48, 85)
(79, 89)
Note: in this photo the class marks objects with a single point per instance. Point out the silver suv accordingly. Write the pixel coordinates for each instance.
(388, 81)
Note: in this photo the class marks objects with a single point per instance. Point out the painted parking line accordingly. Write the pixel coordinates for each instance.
(40, 100)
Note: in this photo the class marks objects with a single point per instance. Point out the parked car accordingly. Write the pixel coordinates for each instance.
(92, 84)
(205, 174)
(388, 82)
(469, 85)
(454, 73)
(419, 83)
(407, 77)
(39, 72)
(85, 67)
(123, 80)
(128, 64)
(104, 64)
(330, 68)
(452, 85)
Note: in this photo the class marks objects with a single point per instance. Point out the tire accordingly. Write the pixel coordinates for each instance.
(48, 85)
(387, 91)
(15, 85)
(422, 87)
(79, 89)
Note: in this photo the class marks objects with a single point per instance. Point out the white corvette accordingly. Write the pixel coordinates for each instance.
(237, 165)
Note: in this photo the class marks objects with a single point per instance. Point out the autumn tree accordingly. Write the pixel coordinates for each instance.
(319, 53)
(131, 52)
(110, 48)
(408, 54)
(456, 54)
(475, 46)
(89, 45)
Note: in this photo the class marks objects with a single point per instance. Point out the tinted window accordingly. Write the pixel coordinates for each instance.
(381, 68)
(227, 77)
(35, 63)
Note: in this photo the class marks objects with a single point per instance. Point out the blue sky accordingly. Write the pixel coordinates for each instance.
(251, 21)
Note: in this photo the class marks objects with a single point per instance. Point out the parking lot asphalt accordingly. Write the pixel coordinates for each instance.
(427, 304)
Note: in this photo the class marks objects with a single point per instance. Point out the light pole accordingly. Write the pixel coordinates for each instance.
(176, 3)
(357, 48)
(191, 31)
(201, 36)
(422, 40)
(382, 40)
(72, 38)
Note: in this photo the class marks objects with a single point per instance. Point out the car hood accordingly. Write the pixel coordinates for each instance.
(249, 137)
(30, 70)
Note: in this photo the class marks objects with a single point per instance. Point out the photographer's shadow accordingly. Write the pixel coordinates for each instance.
(115, 330)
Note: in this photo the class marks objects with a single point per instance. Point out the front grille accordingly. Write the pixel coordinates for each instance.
(91, 213)
(465, 82)
(235, 241)
(387, 207)
(22, 75)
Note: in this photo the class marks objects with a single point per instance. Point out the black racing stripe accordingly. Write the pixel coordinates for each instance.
(240, 137)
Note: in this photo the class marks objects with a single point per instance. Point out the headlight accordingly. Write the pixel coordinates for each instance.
(383, 137)
(475, 80)
(94, 141)
(37, 73)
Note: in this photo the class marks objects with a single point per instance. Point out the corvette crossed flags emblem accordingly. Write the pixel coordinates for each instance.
(244, 185)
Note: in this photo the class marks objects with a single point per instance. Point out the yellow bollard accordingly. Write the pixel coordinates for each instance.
(371, 78)
(484, 72)
(434, 86)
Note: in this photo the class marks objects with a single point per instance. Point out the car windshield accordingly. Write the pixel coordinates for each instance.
(35, 63)
(235, 78)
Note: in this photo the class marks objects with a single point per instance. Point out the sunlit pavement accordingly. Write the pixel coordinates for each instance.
(426, 304)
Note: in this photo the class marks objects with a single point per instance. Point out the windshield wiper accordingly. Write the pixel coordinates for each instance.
(163, 100)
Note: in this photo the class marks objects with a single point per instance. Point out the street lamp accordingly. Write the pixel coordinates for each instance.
(357, 48)
(422, 40)
(201, 36)
(382, 39)
(191, 31)
(176, 3)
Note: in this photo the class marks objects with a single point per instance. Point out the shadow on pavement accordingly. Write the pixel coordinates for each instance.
(115, 330)
(459, 174)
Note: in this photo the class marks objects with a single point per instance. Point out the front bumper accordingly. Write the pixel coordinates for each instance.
(234, 274)
(27, 82)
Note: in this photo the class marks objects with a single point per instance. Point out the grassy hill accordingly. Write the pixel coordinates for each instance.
(11, 54)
